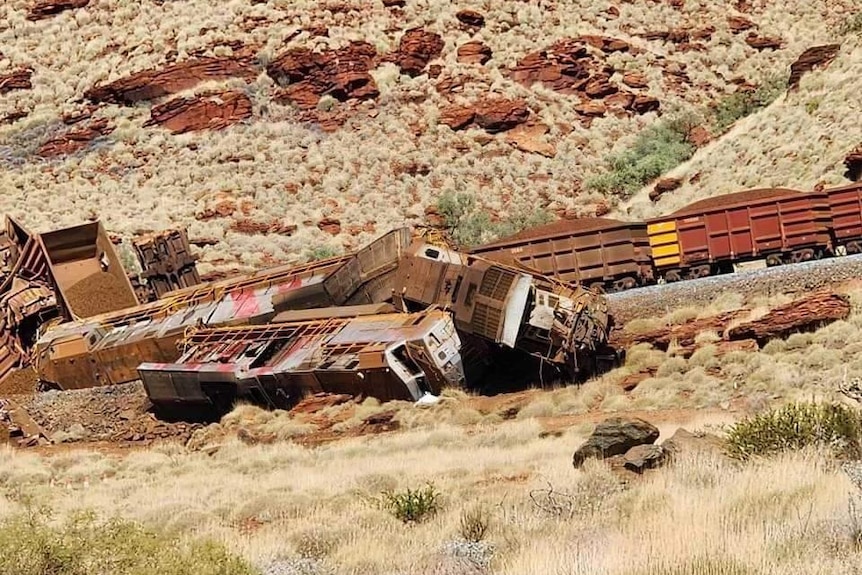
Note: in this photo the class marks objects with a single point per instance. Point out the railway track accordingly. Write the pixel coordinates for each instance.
(657, 300)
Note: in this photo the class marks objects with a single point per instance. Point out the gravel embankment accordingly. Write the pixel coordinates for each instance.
(657, 300)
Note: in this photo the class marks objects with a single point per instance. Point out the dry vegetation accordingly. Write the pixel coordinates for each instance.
(471, 485)
(288, 171)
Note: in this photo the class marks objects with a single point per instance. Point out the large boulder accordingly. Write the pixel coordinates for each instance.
(615, 436)
(684, 441)
(642, 457)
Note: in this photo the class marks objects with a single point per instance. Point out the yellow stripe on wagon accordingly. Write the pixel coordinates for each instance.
(664, 242)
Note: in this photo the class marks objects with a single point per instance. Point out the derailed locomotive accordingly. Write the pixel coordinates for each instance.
(279, 334)
(722, 234)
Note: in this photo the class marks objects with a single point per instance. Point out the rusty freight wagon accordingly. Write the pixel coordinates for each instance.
(597, 252)
(845, 203)
(715, 235)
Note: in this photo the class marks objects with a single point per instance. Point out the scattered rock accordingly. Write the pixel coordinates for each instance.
(814, 57)
(394, 3)
(16, 80)
(157, 83)
(853, 162)
(591, 108)
(500, 114)
(644, 104)
(75, 139)
(320, 401)
(457, 117)
(416, 48)
(663, 186)
(47, 8)
(342, 73)
(331, 226)
(14, 116)
(699, 136)
(675, 36)
(635, 80)
(213, 111)
(615, 436)
(739, 24)
(606, 43)
(531, 138)
(684, 441)
(642, 457)
(763, 42)
(471, 18)
(474, 52)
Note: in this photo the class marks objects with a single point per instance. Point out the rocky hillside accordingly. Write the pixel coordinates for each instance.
(277, 130)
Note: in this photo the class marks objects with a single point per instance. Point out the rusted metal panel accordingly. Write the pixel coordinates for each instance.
(374, 355)
(586, 251)
(86, 271)
(845, 203)
(746, 225)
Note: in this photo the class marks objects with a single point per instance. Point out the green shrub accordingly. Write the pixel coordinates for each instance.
(474, 524)
(743, 103)
(469, 226)
(31, 544)
(656, 150)
(322, 253)
(796, 426)
(412, 505)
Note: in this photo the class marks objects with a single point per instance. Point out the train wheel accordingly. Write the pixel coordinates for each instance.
(699, 272)
(625, 283)
(841, 251)
(854, 248)
(802, 255)
(598, 287)
(673, 276)
(773, 260)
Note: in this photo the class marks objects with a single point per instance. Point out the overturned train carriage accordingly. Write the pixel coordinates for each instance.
(388, 356)
(107, 349)
(558, 322)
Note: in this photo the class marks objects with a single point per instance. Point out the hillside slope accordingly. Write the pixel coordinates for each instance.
(799, 141)
(336, 148)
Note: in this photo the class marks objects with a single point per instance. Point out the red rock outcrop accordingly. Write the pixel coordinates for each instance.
(493, 115)
(16, 80)
(157, 83)
(213, 111)
(331, 226)
(635, 80)
(252, 227)
(811, 311)
(75, 139)
(571, 66)
(416, 48)
(531, 138)
(47, 8)
(739, 24)
(818, 308)
(759, 42)
(663, 186)
(853, 161)
(342, 73)
(457, 117)
(816, 56)
(471, 18)
(474, 52)
(606, 44)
